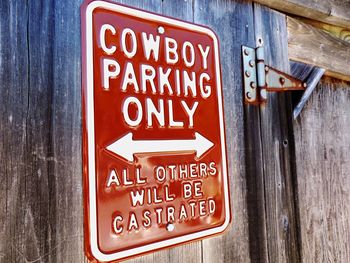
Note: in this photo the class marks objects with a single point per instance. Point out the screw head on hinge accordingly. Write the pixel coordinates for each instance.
(247, 73)
(246, 52)
(248, 95)
(282, 80)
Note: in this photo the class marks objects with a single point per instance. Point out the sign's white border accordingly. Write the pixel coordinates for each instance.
(99, 255)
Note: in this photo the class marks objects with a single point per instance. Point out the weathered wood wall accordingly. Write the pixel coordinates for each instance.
(41, 211)
(322, 140)
(270, 169)
(40, 148)
(320, 44)
(329, 11)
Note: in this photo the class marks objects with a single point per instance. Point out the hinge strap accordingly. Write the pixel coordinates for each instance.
(260, 78)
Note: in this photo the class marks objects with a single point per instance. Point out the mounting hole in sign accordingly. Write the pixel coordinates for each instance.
(161, 30)
(170, 227)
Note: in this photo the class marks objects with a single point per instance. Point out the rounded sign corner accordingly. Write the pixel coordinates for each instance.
(227, 223)
(210, 32)
(98, 255)
(85, 5)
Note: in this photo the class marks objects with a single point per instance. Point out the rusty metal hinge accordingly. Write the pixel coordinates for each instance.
(260, 78)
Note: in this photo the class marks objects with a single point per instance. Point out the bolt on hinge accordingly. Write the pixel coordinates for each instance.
(260, 78)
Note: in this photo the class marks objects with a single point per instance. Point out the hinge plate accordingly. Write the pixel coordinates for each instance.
(260, 78)
(249, 75)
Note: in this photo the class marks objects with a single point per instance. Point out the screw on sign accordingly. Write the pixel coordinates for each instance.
(155, 172)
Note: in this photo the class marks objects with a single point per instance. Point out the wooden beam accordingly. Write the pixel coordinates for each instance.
(317, 47)
(336, 31)
(335, 12)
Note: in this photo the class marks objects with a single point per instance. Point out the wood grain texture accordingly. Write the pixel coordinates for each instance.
(336, 31)
(255, 180)
(311, 75)
(42, 215)
(334, 12)
(315, 46)
(65, 121)
(13, 127)
(233, 29)
(44, 220)
(322, 140)
(277, 144)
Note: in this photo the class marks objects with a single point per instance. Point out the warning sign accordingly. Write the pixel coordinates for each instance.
(155, 167)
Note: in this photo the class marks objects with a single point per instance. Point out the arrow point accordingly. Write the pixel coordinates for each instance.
(202, 144)
(122, 147)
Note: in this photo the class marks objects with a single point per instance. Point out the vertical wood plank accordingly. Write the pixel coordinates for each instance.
(40, 188)
(13, 127)
(65, 173)
(277, 144)
(322, 141)
(43, 220)
(255, 184)
(233, 23)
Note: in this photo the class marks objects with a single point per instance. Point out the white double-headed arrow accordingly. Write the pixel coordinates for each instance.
(126, 146)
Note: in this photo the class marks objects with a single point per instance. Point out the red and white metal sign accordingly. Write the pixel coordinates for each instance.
(155, 171)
